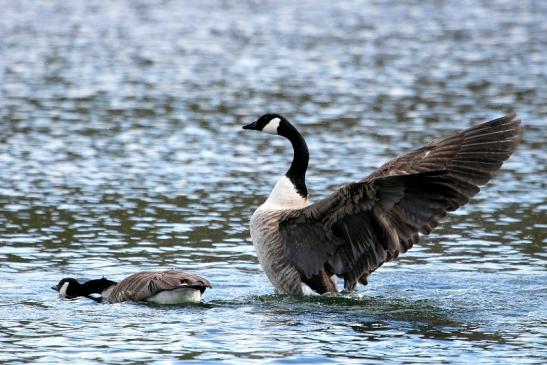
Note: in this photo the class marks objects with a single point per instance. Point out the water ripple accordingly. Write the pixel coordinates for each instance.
(121, 150)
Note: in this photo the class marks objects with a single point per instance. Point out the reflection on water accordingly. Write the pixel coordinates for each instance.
(121, 150)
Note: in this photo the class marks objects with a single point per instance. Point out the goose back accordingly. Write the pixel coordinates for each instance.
(144, 285)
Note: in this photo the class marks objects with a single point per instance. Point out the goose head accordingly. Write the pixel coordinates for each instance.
(271, 123)
(68, 288)
(277, 124)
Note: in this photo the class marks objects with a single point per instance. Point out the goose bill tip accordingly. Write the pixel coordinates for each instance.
(250, 126)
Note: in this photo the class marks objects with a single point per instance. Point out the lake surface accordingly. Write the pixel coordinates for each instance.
(121, 150)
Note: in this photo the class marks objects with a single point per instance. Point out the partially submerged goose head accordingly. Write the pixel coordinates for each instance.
(72, 288)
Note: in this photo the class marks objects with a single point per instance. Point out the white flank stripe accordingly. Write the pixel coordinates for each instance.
(177, 296)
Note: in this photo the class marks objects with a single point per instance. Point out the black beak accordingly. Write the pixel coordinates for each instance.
(55, 287)
(250, 126)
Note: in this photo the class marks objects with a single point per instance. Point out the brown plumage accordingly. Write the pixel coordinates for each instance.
(364, 224)
(143, 285)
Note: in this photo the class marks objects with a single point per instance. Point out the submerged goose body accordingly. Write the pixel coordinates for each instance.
(162, 287)
(361, 225)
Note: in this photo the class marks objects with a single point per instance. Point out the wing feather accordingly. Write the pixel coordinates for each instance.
(362, 225)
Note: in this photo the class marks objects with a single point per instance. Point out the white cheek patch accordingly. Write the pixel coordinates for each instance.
(272, 125)
(62, 291)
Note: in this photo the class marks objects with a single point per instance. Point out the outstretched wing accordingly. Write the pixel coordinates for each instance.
(362, 225)
(142, 285)
(470, 156)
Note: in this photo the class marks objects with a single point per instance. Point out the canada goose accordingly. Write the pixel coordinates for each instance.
(363, 224)
(164, 287)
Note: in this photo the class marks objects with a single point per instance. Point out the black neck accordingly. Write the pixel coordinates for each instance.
(297, 171)
(96, 286)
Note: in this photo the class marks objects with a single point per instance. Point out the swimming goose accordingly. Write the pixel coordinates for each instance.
(363, 224)
(164, 287)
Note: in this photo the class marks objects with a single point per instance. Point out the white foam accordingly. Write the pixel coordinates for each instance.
(307, 290)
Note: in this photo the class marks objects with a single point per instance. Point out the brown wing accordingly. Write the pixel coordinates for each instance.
(142, 285)
(360, 226)
(470, 156)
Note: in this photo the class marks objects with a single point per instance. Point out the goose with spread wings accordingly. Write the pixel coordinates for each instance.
(363, 224)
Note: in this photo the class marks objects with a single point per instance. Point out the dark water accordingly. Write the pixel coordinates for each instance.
(121, 150)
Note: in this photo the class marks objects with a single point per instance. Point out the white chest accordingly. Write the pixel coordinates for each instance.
(285, 196)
